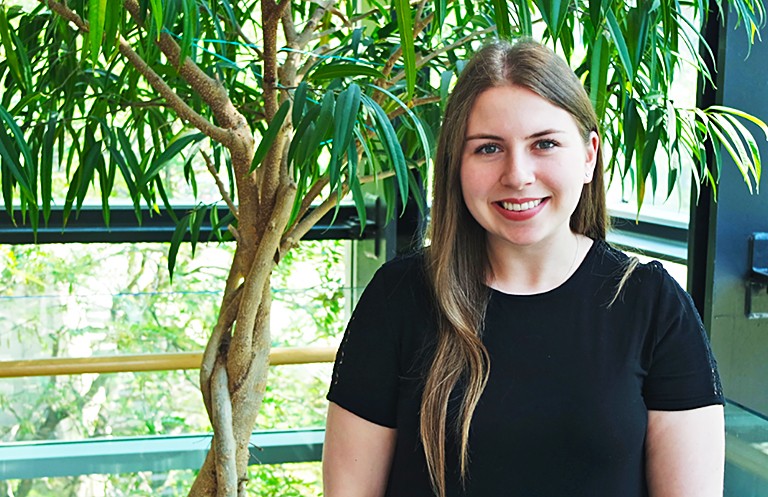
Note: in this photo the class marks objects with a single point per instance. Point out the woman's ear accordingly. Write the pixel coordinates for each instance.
(592, 149)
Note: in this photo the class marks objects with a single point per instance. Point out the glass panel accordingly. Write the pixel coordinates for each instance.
(77, 300)
(278, 480)
(746, 453)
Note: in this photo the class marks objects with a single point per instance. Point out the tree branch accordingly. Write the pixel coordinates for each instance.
(223, 327)
(241, 349)
(224, 438)
(220, 185)
(399, 111)
(302, 227)
(311, 24)
(174, 101)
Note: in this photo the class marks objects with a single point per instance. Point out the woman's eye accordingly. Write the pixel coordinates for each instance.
(487, 149)
(545, 144)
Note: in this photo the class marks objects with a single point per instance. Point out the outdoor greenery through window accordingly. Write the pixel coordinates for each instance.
(102, 299)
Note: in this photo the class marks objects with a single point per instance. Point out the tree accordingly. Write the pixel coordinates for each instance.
(293, 105)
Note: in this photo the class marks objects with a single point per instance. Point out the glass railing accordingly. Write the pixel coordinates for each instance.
(746, 452)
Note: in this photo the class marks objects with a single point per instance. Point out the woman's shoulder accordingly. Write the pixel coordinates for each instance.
(403, 273)
(613, 263)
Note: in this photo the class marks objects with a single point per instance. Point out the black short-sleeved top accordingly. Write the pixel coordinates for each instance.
(564, 413)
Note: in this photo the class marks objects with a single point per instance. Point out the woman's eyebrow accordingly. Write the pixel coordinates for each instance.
(545, 132)
(538, 134)
(483, 137)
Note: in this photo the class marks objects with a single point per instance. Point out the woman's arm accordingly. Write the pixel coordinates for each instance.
(685, 452)
(357, 455)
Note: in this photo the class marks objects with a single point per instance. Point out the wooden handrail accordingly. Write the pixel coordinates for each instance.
(148, 362)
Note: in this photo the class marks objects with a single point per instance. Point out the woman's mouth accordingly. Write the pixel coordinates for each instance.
(520, 206)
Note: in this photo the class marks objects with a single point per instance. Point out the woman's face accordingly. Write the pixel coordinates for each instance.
(523, 167)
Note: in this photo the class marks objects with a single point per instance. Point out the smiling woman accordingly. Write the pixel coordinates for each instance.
(524, 165)
(520, 354)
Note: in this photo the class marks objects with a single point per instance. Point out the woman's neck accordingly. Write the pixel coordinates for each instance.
(528, 270)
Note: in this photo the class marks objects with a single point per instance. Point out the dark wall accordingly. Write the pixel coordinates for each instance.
(740, 343)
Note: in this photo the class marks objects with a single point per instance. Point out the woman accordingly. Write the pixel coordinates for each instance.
(519, 354)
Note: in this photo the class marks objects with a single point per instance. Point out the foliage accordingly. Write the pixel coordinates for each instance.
(134, 309)
(291, 107)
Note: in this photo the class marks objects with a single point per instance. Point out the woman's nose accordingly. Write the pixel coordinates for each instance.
(518, 171)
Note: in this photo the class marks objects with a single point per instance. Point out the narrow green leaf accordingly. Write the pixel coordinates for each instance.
(721, 139)
(189, 9)
(97, 14)
(106, 182)
(344, 70)
(174, 148)
(420, 131)
(46, 167)
(18, 137)
(270, 134)
(501, 16)
(10, 154)
(745, 161)
(751, 144)
(744, 115)
(198, 216)
(388, 137)
(405, 28)
(164, 197)
(525, 25)
(126, 173)
(178, 236)
(440, 12)
(345, 117)
(354, 186)
(10, 50)
(157, 16)
(320, 129)
(111, 26)
(621, 44)
(655, 127)
(6, 180)
(299, 103)
(302, 133)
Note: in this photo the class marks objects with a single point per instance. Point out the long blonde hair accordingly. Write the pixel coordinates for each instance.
(457, 259)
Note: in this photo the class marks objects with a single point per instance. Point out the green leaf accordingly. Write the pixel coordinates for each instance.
(126, 172)
(299, 103)
(303, 134)
(420, 131)
(344, 70)
(754, 150)
(46, 166)
(10, 154)
(270, 134)
(174, 148)
(525, 25)
(178, 236)
(198, 216)
(345, 117)
(621, 44)
(744, 115)
(10, 50)
(405, 28)
(320, 129)
(388, 137)
(189, 8)
(501, 16)
(97, 14)
(354, 186)
(157, 16)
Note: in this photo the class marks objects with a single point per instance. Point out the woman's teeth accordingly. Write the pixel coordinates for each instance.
(517, 207)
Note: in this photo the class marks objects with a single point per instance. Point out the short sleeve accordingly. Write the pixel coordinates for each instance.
(365, 374)
(683, 372)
